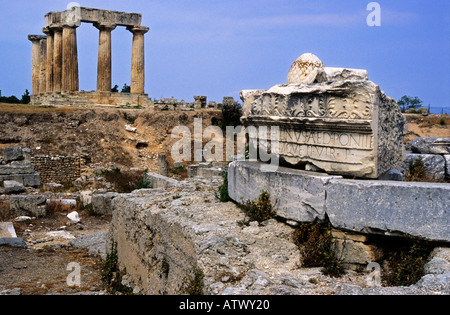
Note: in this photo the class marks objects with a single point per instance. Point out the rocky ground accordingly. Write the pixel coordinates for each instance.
(127, 138)
(257, 259)
(53, 243)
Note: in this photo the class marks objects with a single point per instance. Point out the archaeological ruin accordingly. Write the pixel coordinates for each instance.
(55, 78)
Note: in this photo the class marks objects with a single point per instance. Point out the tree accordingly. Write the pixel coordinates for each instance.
(26, 97)
(409, 102)
(126, 88)
(115, 89)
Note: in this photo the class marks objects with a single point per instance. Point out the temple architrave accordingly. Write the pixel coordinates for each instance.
(55, 59)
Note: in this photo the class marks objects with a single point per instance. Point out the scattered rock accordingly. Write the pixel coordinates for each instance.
(13, 187)
(429, 145)
(74, 217)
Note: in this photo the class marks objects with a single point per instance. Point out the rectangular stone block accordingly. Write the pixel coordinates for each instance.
(7, 230)
(33, 206)
(345, 127)
(296, 195)
(160, 181)
(417, 209)
(25, 168)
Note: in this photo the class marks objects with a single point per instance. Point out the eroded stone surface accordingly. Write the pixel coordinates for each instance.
(345, 128)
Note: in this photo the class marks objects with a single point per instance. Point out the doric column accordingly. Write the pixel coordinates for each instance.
(138, 59)
(69, 80)
(104, 72)
(49, 61)
(57, 59)
(35, 39)
(42, 66)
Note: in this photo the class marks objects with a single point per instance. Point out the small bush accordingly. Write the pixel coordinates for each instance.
(317, 248)
(54, 207)
(222, 195)
(127, 181)
(417, 172)
(406, 264)
(260, 210)
(231, 116)
(111, 274)
(193, 285)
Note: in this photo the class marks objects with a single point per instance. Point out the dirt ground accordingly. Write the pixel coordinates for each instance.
(42, 268)
(427, 126)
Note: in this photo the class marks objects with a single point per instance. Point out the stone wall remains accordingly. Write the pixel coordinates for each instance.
(59, 169)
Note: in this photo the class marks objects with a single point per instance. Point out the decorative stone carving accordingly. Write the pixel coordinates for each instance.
(346, 127)
(303, 67)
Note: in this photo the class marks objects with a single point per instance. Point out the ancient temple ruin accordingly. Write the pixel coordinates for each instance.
(55, 59)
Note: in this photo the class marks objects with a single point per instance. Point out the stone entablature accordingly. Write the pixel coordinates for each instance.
(55, 56)
(332, 118)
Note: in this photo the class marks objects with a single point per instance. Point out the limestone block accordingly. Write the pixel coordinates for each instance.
(447, 165)
(13, 242)
(433, 164)
(429, 145)
(297, 195)
(160, 181)
(33, 206)
(13, 154)
(344, 128)
(342, 74)
(7, 230)
(163, 165)
(86, 197)
(13, 187)
(28, 180)
(418, 209)
(101, 203)
(23, 167)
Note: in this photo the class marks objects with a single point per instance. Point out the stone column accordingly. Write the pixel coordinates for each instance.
(138, 59)
(35, 39)
(49, 60)
(57, 59)
(69, 80)
(104, 72)
(42, 66)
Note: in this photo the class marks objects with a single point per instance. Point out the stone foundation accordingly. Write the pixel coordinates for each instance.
(363, 206)
(81, 99)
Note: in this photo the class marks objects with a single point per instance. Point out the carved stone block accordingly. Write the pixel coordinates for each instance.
(346, 127)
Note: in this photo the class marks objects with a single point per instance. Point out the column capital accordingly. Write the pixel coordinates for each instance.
(36, 38)
(55, 27)
(105, 26)
(138, 30)
(47, 31)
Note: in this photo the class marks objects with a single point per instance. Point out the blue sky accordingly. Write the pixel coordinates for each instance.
(218, 48)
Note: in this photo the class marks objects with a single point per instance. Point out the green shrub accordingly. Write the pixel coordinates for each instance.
(317, 248)
(127, 181)
(231, 116)
(194, 284)
(260, 210)
(111, 274)
(222, 195)
(406, 264)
